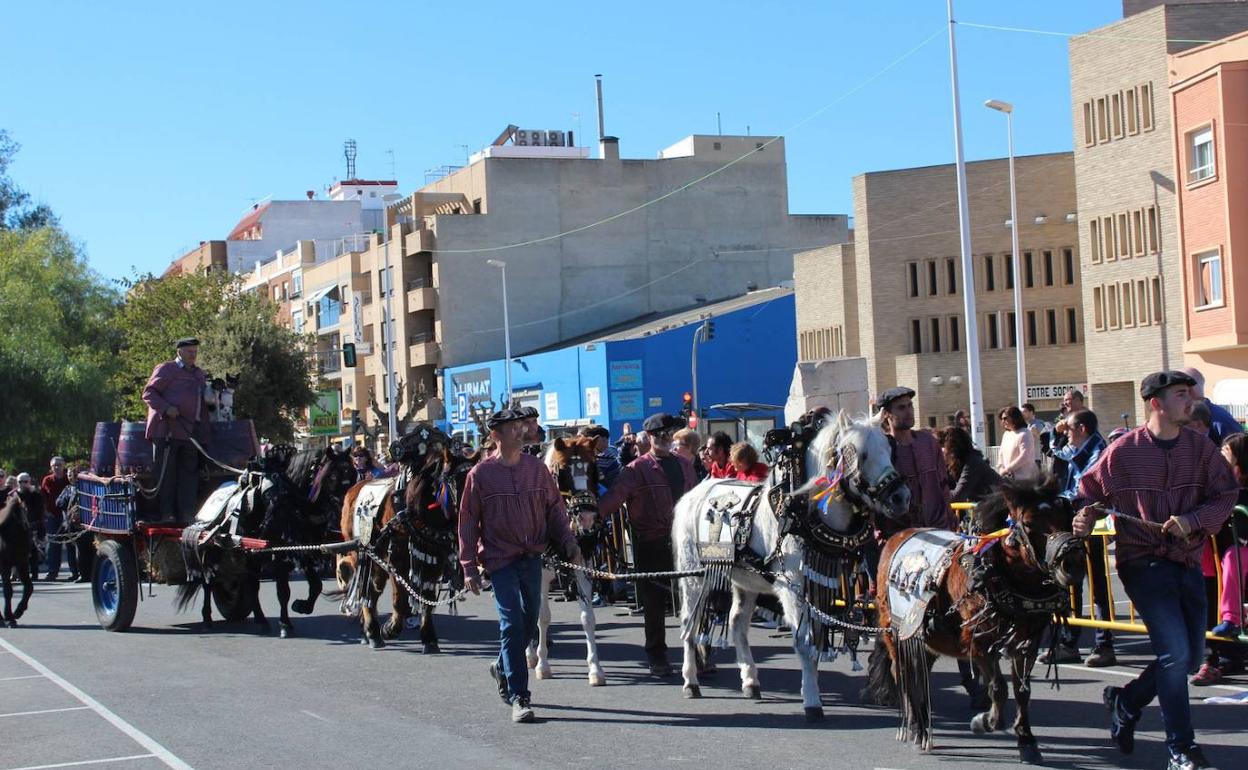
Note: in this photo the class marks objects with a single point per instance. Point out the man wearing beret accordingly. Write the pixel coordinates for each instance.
(534, 433)
(511, 511)
(650, 486)
(175, 414)
(1169, 491)
(917, 457)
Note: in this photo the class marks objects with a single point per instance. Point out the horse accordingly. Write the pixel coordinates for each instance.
(15, 548)
(753, 541)
(573, 463)
(977, 597)
(419, 527)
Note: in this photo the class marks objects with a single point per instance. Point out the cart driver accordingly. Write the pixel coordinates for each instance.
(175, 415)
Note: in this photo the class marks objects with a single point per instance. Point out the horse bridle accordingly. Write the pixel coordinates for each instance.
(856, 486)
(579, 501)
(1056, 545)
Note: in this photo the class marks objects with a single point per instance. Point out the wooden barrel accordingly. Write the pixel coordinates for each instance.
(104, 448)
(134, 451)
(233, 443)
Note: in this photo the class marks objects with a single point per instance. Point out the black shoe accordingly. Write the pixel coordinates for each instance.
(499, 680)
(660, 668)
(82, 579)
(1101, 657)
(73, 578)
(1121, 724)
(1191, 759)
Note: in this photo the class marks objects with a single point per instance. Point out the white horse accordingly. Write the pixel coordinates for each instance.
(574, 466)
(854, 453)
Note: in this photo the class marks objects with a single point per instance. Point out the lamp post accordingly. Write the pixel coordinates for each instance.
(1020, 364)
(502, 266)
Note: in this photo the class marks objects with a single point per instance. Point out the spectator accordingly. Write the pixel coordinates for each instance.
(688, 444)
(720, 446)
(51, 486)
(1060, 449)
(969, 473)
(1223, 423)
(745, 464)
(608, 456)
(1042, 430)
(962, 420)
(1017, 456)
(363, 465)
(1201, 420)
(33, 501)
(627, 444)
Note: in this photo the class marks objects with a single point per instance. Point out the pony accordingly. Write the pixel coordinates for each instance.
(15, 548)
(406, 520)
(574, 464)
(798, 550)
(976, 597)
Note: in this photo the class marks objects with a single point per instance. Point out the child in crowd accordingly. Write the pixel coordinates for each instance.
(1232, 551)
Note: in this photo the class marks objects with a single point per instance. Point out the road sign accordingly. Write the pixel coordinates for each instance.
(461, 407)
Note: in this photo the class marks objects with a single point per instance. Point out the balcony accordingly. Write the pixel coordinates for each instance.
(422, 350)
(417, 241)
(329, 364)
(420, 295)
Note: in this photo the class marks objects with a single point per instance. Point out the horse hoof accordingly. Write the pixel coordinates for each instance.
(376, 644)
(430, 648)
(814, 714)
(530, 660)
(391, 630)
(597, 680)
(285, 631)
(753, 692)
(301, 606)
(12, 623)
(691, 691)
(543, 672)
(1030, 754)
(979, 723)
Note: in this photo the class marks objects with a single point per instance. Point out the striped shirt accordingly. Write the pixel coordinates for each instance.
(1146, 484)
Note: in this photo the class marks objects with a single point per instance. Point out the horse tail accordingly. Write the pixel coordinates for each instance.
(186, 594)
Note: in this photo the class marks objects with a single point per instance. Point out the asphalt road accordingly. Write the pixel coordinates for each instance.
(167, 694)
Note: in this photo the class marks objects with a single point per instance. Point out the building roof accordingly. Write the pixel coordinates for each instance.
(247, 222)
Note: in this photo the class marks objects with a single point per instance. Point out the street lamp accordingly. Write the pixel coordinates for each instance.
(1019, 362)
(502, 266)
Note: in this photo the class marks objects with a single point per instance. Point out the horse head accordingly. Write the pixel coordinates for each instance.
(855, 454)
(574, 464)
(425, 456)
(1036, 522)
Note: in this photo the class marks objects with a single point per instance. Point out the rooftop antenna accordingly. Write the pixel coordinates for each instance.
(602, 131)
(393, 174)
(348, 150)
(467, 154)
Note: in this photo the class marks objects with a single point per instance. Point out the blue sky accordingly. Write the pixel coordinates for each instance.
(151, 126)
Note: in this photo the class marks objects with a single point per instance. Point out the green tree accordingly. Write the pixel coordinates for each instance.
(16, 212)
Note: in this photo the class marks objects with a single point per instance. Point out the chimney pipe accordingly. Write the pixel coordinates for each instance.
(602, 131)
(609, 148)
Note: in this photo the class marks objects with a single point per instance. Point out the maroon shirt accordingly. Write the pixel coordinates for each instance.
(180, 386)
(51, 487)
(923, 468)
(509, 511)
(1147, 484)
(643, 485)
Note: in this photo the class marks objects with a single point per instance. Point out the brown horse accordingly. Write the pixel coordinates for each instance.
(423, 526)
(15, 546)
(982, 598)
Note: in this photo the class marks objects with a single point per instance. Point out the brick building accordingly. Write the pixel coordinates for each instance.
(894, 294)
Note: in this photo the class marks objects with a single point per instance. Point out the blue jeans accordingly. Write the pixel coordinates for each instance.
(1170, 598)
(53, 524)
(518, 597)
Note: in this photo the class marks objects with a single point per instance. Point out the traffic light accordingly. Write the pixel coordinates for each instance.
(708, 330)
(348, 355)
(686, 409)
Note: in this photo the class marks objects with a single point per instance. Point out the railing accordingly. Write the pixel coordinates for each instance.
(418, 283)
(418, 338)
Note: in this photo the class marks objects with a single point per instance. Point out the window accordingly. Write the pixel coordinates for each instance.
(990, 277)
(932, 285)
(955, 334)
(1012, 333)
(385, 389)
(1089, 130)
(298, 284)
(1031, 328)
(992, 331)
(1048, 268)
(1068, 267)
(1150, 219)
(1072, 326)
(1159, 308)
(1124, 237)
(935, 335)
(1128, 305)
(1200, 163)
(1141, 301)
(1029, 274)
(1098, 308)
(1146, 107)
(1102, 121)
(476, 205)
(1050, 322)
(1094, 240)
(916, 336)
(330, 310)
(1009, 271)
(1137, 232)
(285, 289)
(1209, 279)
(951, 275)
(1110, 248)
(296, 321)
(1115, 114)
(912, 270)
(1133, 112)
(1113, 307)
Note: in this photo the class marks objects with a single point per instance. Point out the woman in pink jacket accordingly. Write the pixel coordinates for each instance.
(1017, 457)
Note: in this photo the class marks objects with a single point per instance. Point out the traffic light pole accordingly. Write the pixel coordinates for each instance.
(693, 357)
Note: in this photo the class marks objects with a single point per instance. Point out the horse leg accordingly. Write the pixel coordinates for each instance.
(428, 631)
(689, 589)
(590, 624)
(812, 701)
(1020, 671)
(281, 581)
(990, 720)
(205, 612)
(739, 629)
(538, 653)
(401, 604)
(368, 612)
(251, 586)
(305, 606)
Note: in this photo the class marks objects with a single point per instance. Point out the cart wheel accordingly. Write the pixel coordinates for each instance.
(115, 585)
(230, 599)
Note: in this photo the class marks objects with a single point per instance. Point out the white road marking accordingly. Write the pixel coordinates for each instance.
(1134, 674)
(138, 736)
(85, 762)
(314, 716)
(15, 678)
(42, 711)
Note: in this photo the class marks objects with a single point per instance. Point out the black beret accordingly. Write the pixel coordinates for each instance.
(662, 421)
(504, 416)
(1156, 382)
(597, 431)
(186, 342)
(892, 394)
(528, 413)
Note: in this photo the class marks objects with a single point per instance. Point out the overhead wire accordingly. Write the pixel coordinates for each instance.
(1099, 35)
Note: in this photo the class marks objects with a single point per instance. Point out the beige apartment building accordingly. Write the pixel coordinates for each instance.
(894, 294)
(1133, 295)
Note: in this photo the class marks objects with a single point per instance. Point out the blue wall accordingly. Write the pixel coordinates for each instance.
(751, 358)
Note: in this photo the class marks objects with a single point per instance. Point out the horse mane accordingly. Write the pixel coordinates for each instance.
(992, 513)
(299, 469)
(823, 447)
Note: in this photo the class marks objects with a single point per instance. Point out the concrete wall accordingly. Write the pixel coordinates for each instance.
(827, 304)
(285, 223)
